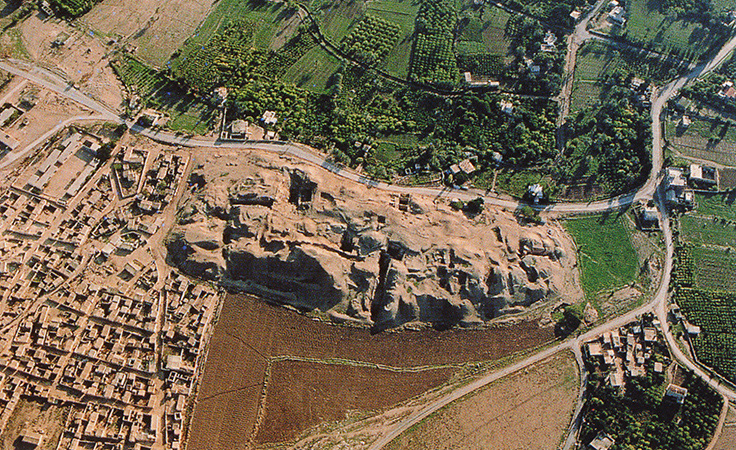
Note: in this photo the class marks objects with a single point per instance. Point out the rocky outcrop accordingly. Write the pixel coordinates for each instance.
(300, 236)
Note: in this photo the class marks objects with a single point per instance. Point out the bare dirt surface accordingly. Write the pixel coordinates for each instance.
(727, 440)
(31, 416)
(302, 394)
(301, 236)
(157, 28)
(250, 333)
(527, 410)
(82, 57)
(41, 111)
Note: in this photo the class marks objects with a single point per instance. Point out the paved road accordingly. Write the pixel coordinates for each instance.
(13, 156)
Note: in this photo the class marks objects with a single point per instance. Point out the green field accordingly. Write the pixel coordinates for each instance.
(584, 95)
(485, 33)
(599, 64)
(715, 314)
(708, 230)
(597, 60)
(605, 253)
(714, 269)
(268, 17)
(313, 70)
(647, 25)
(712, 233)
(186, 112)
(402, 13)
(721, 205)
(707, 139)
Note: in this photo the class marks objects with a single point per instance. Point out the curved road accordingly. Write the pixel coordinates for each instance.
(658, 304)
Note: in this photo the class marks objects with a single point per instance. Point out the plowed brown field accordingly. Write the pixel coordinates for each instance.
(303, 394)
(250, 332)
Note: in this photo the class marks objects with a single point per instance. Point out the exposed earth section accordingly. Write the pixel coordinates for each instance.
(299, 236)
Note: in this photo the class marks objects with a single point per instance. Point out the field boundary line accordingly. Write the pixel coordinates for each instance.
(357, 363)
(261, 404)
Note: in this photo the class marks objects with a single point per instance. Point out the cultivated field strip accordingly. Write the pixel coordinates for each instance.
(267, 365)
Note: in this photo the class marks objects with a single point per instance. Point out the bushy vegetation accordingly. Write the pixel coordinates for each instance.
(526, 35)
(642, 418)
(715, 314)
(684, 29)
(371, 40)
(228, 54)
(553, 12)
(187, 112)
(706, 90)
(72, 8)
(608, 143)
(481, 64)
(605, 254)
(433, 57)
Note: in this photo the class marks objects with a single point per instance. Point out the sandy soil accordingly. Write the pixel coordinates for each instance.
(156, 27)
(727, 440)
(49, 109)
(528, 410)
(34, 416)
(82, 57)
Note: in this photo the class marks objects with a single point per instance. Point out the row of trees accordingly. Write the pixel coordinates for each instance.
(433, 56)
(609, 142)
(72, 8)
(371, 40)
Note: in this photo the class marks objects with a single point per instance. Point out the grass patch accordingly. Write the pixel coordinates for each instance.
(714, 269)
(708, 230)
(605, 254)
(337, 19)
(313, 70)
(721, 205)
(267, 17)
(647, 25)
(516, 182)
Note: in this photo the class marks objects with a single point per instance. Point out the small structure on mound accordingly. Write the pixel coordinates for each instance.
(601, 442)
(31, 439)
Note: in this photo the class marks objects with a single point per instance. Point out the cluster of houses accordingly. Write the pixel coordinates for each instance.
(9, 115)
(100, 353)
(616, 13)
(727, 90)
(160, 182)
(104, 337)
(643, 91)
(189, 315)
(242, 130)
(75, 145)
(624, 353)
(128, 169)
(681, 183)
(679, 186)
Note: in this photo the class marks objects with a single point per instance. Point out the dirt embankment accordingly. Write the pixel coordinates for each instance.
(300, 236)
